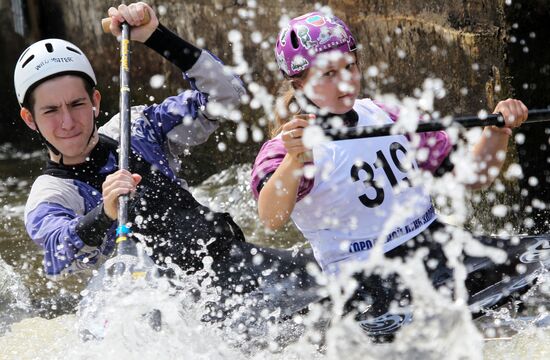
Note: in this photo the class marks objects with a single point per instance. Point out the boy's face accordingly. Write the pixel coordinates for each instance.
(63, 112)
(334, 82)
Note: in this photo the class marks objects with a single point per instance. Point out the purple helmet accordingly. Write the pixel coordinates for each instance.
(305, 36)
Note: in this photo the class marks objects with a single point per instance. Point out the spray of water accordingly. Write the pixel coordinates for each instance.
(441, 326)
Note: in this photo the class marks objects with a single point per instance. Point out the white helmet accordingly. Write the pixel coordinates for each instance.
(46, 58)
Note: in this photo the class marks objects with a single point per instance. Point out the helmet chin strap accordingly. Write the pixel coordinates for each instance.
(48, 144)
(350, 118)
(53, 148)
(93, 127)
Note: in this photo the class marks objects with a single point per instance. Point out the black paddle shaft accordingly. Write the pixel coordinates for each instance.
(359, 132)
(124, 246)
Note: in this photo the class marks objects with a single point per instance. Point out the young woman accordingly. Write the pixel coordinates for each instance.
(360, 192)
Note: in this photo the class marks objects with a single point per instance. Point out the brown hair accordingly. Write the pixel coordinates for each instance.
(283, 104)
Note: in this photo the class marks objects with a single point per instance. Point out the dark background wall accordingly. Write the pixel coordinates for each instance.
(528, 62)
(463, 43)
(483, 50)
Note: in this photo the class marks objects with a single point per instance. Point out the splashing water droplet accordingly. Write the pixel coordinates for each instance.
(242, 133)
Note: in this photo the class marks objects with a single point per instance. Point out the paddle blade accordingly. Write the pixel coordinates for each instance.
(116, 274)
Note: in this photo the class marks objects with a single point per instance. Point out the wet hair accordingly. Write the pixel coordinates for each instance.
(286, 100)
(30, 100)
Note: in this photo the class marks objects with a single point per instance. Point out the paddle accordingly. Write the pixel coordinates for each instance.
(124, 245)
(129, 259)
(359, 132)
(491, 285)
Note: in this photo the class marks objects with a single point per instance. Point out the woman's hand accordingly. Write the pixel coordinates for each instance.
(490, 150)
(119, 183)
(292, 133)
(134, 15)
(514, 112)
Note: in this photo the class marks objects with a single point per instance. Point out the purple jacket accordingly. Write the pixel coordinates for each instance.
(159, 133)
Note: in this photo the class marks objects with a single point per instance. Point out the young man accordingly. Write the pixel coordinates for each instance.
(72, 207)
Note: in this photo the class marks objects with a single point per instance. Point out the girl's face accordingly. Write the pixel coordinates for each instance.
(333, 84)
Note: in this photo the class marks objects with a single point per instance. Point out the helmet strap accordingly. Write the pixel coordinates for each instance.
(94, 127)
(350, 118)
(92, 134)
(48, 144)
(306, 105)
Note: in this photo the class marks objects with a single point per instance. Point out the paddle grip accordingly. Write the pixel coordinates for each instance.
(106, 22)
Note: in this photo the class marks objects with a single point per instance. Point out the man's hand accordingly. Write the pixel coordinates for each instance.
(119, 183)
(134, 15)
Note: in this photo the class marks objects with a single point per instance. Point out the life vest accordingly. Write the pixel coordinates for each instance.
(174, 224)
(362, 194)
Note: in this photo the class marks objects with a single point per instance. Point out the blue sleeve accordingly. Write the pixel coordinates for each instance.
(189, 118)
(184, 112)
(53, 227)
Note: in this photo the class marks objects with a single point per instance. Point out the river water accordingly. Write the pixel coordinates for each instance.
(38, 319)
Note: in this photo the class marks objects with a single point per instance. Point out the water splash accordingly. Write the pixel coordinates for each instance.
(15, 303)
